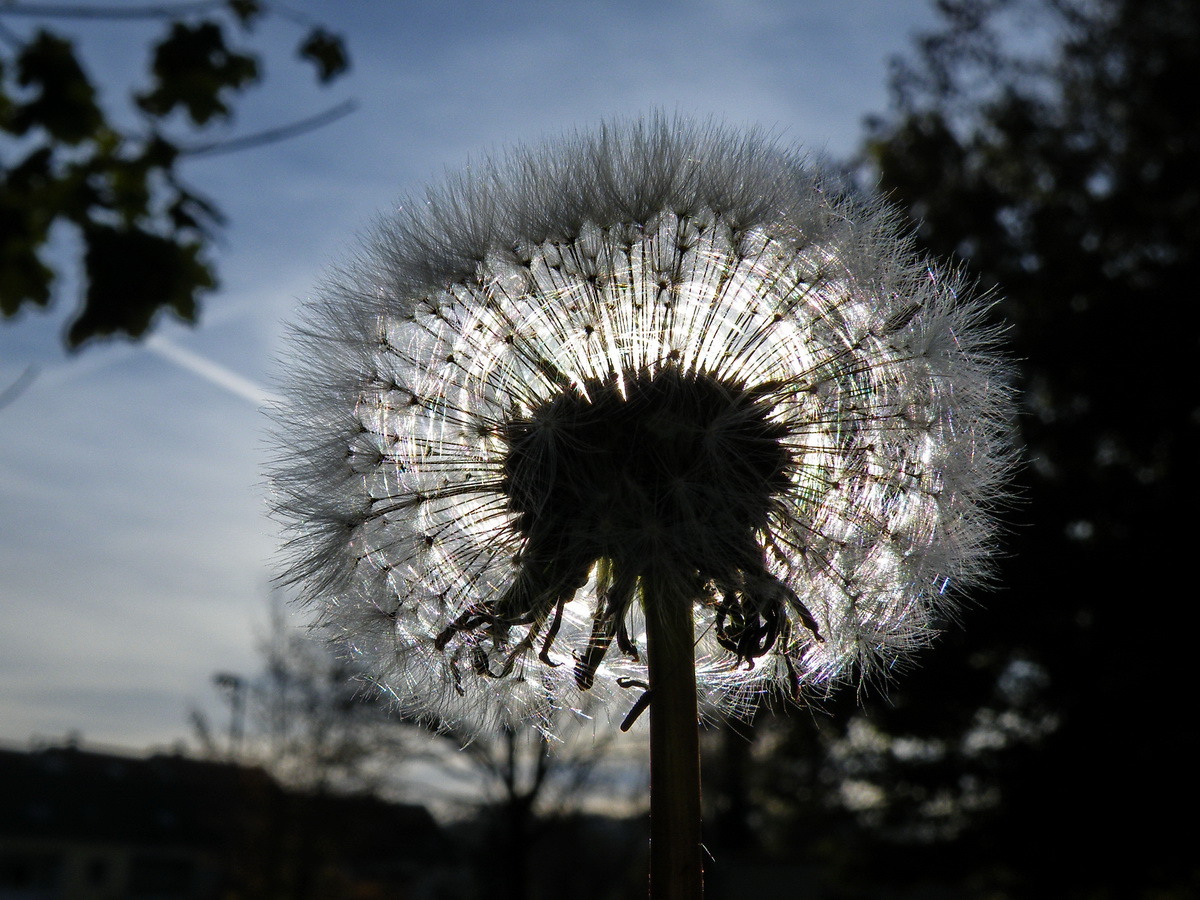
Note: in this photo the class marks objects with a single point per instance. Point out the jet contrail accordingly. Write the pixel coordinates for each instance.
(210, 371)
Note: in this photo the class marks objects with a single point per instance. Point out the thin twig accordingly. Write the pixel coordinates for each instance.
(73, 11)
(20, 383)
(272, 135)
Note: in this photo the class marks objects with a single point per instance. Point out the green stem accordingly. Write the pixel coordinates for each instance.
(676, 863)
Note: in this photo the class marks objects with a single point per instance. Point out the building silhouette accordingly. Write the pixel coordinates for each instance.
(78, 824)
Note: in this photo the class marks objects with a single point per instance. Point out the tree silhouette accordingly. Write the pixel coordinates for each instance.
(306, 718)
(65, 160)
(1044, 749)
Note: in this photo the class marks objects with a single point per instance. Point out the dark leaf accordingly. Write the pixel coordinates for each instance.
(131, 275)
(246, 11)
(194, 69)
(29, 201)
(192, 212)
(7, 106)
(160, 153)
(64, 101)
(327, 52)
(24, 278)
(35, 169)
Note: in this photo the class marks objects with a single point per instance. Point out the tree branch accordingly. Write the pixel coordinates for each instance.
(272, 135)
(73, 11)
(20, 383)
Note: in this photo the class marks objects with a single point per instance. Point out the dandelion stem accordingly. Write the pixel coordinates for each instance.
(676, 866)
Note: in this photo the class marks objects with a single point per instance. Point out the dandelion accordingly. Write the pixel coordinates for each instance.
(656, 406)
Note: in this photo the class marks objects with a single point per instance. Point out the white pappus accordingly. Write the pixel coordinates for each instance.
(658, 350)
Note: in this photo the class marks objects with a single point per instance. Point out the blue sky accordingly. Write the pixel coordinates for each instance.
(135, 549)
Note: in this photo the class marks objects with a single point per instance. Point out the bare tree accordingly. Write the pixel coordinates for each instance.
(525, 792)
(306, 718)
(312, 721)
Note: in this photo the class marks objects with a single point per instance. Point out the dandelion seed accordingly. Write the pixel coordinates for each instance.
(661, 364)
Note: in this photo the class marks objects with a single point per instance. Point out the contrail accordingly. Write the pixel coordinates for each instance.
(79, 369)
(210, 371)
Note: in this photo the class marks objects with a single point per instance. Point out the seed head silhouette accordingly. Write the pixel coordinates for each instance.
(659, 352)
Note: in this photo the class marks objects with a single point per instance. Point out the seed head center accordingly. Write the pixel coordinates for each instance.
(666, 469)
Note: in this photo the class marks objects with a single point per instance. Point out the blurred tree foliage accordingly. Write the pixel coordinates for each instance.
(1045, 748)
(65, 161)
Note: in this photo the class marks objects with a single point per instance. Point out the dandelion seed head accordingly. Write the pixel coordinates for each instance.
(659, 351)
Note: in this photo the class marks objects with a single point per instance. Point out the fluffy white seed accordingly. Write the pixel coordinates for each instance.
(659, 347)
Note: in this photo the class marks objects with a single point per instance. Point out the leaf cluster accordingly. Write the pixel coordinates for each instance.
(66, 162)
